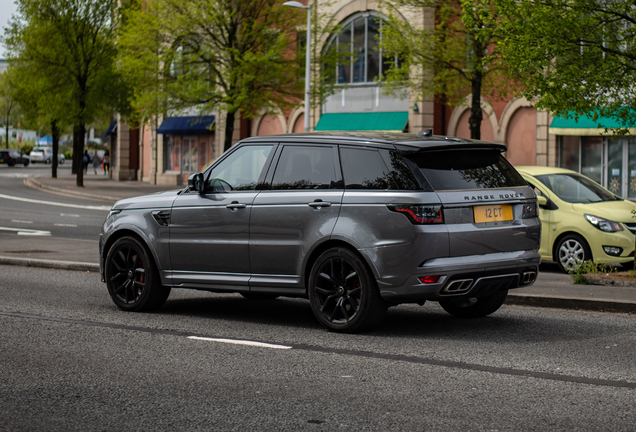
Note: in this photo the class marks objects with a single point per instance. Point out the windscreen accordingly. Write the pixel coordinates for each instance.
(574, 188)
(461, 169)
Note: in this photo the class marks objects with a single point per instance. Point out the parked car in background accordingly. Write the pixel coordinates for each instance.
(581, 220)
(13, 157)
(354, 222)
(45, 155)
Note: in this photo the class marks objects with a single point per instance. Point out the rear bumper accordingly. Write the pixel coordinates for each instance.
(466, 276)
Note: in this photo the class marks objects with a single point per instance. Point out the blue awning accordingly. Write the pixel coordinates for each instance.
(45, 140)
(190, 125)
(111, 129)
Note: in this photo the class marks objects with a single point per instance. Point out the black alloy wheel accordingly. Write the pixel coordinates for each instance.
(474, 307)
(132, 278)
(343, 293)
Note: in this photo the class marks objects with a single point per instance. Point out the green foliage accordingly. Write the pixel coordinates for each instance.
(588, 267)
(64, 54)
(454, 57)
(236, 55)
(574, 56)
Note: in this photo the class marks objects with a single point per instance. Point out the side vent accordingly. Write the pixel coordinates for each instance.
(162, 217)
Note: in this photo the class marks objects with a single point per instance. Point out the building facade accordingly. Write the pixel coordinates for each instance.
(177, 146)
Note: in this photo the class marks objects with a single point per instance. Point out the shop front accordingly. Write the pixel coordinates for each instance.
(188, 144)
(593, 151)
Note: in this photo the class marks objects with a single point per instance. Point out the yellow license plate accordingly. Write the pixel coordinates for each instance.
(1, 160)
(492, 213)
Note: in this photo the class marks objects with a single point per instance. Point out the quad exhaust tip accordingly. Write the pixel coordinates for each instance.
(529, 277)
(458, 286)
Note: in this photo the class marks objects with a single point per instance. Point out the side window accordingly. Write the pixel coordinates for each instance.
(240, 170)
(364, 169)
(377, 169)
(305, 167)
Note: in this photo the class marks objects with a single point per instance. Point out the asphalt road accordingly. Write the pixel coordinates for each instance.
(22, 207)
(71, 361)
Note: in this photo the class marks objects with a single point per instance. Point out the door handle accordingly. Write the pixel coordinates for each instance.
(319, 203)
(235, 205)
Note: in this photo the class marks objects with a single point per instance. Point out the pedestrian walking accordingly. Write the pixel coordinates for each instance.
(96, 161)
(106, 162)
(86, 160)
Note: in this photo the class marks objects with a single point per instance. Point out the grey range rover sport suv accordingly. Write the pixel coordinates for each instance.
(355, 222)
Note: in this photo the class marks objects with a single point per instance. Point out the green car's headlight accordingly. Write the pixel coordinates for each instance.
(603, 224)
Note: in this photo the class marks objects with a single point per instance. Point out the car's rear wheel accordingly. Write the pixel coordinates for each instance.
(11, 163)
(47, 161)
(26, 163)
(132, 278)
(475, 307)
(62, 161)
(571, 251)
(343, 293)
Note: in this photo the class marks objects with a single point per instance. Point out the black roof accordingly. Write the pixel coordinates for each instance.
(402, 141)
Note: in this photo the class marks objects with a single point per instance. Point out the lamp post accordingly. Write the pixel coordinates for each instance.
(307, 57)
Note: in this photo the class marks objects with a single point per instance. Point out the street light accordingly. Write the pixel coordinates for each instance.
(307, 58)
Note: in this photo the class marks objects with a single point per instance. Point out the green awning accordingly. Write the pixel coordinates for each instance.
(587, 126)
(372, 121)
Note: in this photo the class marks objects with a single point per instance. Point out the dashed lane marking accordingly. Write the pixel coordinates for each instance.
(240, 342)
(27, 232)
(86, 207)
(314, 349)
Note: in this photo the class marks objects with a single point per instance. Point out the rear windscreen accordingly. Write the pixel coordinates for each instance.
(460, 169)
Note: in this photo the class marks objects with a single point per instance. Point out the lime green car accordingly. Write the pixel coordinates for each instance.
(580, 219)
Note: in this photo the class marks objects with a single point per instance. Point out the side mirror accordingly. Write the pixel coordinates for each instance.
(195, 182)
(542, 200)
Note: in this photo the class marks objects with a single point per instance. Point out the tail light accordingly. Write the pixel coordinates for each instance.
(530, 210)
(420, 214)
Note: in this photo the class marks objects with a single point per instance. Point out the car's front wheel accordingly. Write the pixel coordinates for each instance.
(475, 307)
(132, 278)
(343, 293)
(62, 161)
(571, 251)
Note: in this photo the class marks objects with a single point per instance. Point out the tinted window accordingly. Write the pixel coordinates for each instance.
(367, 169)
(305, 167)
(466, 169)
(576, 189)
(240, 170)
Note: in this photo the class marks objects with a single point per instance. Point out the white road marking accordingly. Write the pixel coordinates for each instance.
(27, 232)
(21, 221)
(241, 342)
(66, 225)
(16, 175)
(103, 208)
(69, 215)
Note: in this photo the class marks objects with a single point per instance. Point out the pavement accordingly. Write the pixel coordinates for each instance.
(552, 288)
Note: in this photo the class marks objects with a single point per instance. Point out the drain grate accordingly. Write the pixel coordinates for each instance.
(29, 251)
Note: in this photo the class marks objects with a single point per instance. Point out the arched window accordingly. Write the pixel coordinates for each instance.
(358, 43)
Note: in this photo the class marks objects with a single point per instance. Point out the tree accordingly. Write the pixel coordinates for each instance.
(455, 56)
(67, 48)
(8, 104)
(236, 55)
(575, 57)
